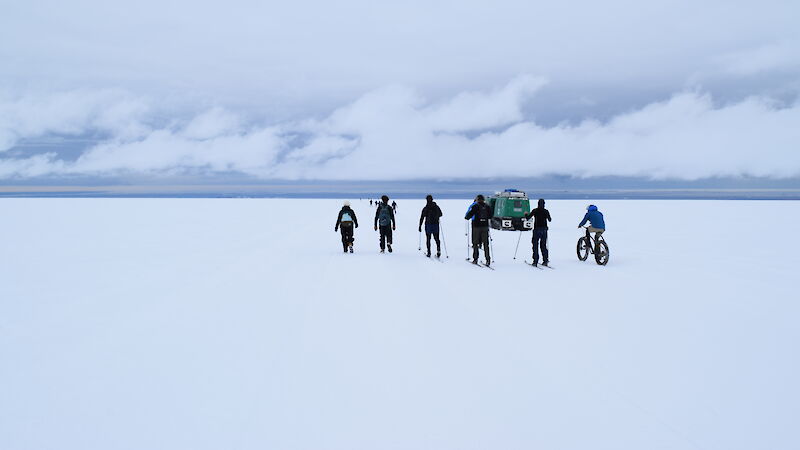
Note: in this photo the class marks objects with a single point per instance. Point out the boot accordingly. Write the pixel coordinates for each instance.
(389, 246)
(351, 248)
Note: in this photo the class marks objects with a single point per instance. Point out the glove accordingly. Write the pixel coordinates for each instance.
(393, 227)
(376, 228)
(335, 228)
(420, 229)
(356, 225)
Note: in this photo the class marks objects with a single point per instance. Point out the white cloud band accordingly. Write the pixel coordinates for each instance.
(393, 133)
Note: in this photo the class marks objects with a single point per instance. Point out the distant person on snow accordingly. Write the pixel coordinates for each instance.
(430, 214)
(541, 216)
(384, 216)
(394, 206)
(480, 213)
(347, 221)
(595, 218)
(370, 202)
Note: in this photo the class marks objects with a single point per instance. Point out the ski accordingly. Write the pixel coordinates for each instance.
(548, 266)
(535, 267)
(479, 264)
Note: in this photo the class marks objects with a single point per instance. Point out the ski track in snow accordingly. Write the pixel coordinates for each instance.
(239, 323)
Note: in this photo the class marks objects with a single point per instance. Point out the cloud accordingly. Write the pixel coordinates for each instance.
(71, 113)
(303, 58)
(173, 152)
(760, 59)
(684, 137)
(476, 110)
(396, 133)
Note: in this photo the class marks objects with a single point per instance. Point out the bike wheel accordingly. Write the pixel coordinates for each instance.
(601, 257)
(583, 249)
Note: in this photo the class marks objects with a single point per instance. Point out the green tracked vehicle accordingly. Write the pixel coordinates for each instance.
(510, 207)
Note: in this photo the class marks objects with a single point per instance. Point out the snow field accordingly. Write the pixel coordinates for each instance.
(239, 323)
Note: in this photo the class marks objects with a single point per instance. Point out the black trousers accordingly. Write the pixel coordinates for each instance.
(480, 237)
(386, 235)
(347, 235)
(540, 241)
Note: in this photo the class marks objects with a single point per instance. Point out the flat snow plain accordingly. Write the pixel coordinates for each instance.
(239, 324)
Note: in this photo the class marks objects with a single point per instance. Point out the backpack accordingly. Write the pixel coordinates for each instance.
(384, 217)
(347, 219)
(432, 213)
(482, 213)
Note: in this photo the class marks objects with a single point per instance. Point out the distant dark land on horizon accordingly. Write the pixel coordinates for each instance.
(553, 187)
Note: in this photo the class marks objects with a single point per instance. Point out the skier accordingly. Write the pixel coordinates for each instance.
(430, 214)
(541, 217)
(394, 206)
(385, 216)
(370, 202)
(346, 220)
(480, 213)
(595, 218)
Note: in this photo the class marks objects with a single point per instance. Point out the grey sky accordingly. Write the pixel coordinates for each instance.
(233, 85)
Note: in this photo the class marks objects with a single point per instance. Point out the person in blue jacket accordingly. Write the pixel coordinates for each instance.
(480, 213)
(595, 219)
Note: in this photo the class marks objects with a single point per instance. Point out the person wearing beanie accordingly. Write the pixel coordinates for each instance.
(540, 218)
(431, 214)
(384, 215)
(347, 221)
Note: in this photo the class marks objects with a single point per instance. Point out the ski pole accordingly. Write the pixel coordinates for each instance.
(444, 242)
(518, 239)
(466, 233)
(491, 245)
(419, 241)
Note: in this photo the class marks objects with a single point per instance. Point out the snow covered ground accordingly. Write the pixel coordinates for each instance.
(239, 324)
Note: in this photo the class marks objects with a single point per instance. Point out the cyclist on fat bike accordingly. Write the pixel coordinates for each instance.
(595, 219)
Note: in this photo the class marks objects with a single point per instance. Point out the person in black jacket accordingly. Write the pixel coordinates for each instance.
(385, 215)
(541, 216)
(347, 220)
(480, 213)
(430, 214)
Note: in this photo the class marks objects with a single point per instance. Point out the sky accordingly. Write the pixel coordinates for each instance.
(312, 90)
